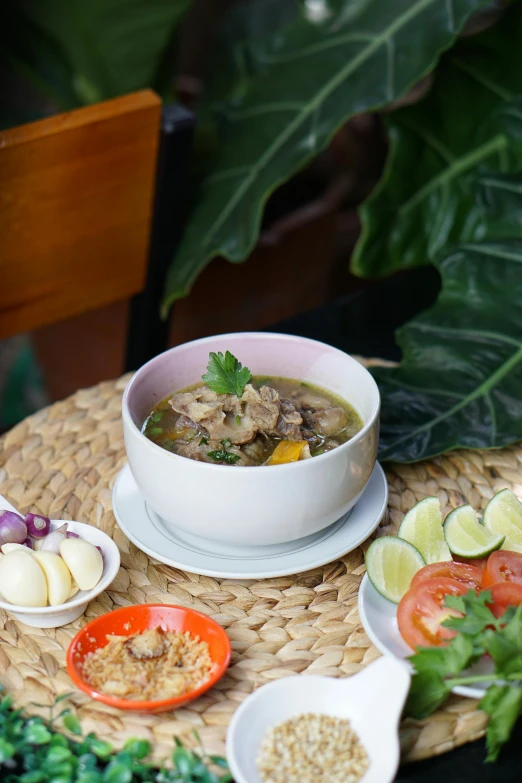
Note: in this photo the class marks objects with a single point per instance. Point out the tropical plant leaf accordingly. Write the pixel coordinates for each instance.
(112, 46)
(459, 382)
(426, 198)
(308, 79)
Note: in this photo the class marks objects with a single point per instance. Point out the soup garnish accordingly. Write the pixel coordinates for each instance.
(235, 418)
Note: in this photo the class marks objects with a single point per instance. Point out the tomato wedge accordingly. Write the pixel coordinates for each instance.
(504, 594)
(503, 566)
(479, 562)
(469, 575)
(421, 612)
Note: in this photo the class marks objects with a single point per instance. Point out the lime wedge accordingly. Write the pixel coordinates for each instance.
(503, 516)
(466, 537)
(391, 564)
(422, 527)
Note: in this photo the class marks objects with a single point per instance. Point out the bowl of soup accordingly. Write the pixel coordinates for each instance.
(251, 438)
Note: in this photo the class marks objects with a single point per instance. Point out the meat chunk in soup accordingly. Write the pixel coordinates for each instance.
(244, 430)
(218, 414)
(329, 420)
(262, 406)
(289, 421)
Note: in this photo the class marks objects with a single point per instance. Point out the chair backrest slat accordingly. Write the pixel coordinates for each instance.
(76, 199)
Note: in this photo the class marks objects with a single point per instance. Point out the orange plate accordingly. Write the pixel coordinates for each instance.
(131, 619)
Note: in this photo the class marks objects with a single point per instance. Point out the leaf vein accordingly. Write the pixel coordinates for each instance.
(320, 96)
(440, 329)
(457, 167)
(480, 391)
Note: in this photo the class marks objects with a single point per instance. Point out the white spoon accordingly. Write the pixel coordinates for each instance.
(371, 700)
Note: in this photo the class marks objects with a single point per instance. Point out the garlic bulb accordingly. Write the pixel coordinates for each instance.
(57, 576)
(22, 581)
(83, 561)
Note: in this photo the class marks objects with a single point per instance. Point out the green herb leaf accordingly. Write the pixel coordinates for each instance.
(183, 760)
(139, 748)
(427, 692)
(506, 648)
(155, 430)
(203, 442)
(225, 442)
(7, 750)
(36, 733)
(476, 615)
(503, 703)
(225, 374)
(72, 724)
(223, 456)
(443, 661)
(238, 419)
(117, 773)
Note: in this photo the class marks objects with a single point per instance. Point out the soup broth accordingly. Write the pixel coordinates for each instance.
(276, 420)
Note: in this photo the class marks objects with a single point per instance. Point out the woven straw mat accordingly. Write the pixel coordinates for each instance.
(63, 461)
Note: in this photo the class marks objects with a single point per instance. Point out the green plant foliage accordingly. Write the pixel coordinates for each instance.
(33, 751)
(112, 47)
(302, 83)
(467, 126)
(460, 378)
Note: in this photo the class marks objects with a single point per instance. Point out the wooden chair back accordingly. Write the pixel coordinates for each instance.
(76, 200)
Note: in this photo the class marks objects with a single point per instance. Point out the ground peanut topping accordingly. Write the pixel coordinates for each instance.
(151, 665)
(312, 748)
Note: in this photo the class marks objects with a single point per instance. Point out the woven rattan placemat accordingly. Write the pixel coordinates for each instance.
(63, 461)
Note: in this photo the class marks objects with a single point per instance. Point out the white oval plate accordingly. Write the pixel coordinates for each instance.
(379, 620)
(210, 558)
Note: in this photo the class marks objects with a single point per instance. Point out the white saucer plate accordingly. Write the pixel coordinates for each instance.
(379, 620)
(210, 558)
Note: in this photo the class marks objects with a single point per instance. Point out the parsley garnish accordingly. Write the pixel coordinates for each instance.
(203, 442)
(225, 375)
(437, 669)
(223, 456)
(225, 442)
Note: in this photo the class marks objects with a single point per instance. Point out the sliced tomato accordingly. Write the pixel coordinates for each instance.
(469, 575)
(421, 612)
(480, 562)
(503, 566)
(505, 594)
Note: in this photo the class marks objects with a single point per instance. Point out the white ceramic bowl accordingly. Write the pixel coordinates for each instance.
(249, 506)
(54, 616)
(371, 700)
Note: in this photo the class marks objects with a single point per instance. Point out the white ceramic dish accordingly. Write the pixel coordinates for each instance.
(201, 556)
(371, 700)
(379, 620)
(54, 616)
(248, 506)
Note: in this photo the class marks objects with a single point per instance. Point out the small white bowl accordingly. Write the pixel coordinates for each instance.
(247, 506)
(371, 700)
(54, 616)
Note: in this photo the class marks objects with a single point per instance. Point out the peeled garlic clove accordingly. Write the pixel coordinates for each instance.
(6, 548)
(57, 576)
(83, 561)
(22, 581)
(74, 589)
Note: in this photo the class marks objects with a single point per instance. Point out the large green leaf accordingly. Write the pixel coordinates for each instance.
(460, 380)
(427, 196)
(307, 80)
(112, 46)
